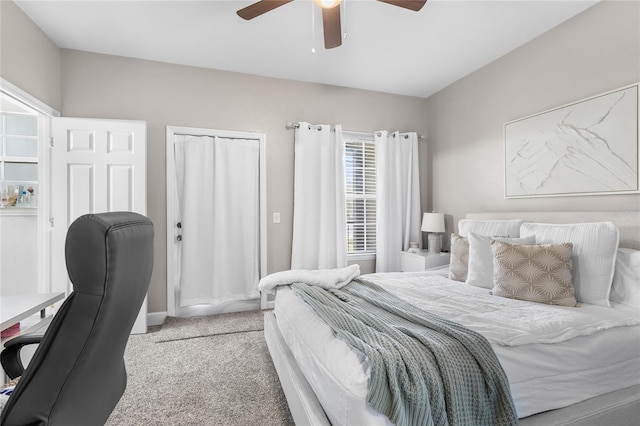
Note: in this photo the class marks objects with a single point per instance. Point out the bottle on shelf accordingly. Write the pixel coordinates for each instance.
(25, 199)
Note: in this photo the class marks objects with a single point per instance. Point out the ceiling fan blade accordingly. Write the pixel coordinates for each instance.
(414, 5)
(331, 27)
(257, 9)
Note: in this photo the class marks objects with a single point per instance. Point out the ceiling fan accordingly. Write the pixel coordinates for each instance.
(330, 14)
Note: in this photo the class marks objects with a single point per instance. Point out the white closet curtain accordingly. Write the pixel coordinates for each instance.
(218, 191)
(319, 219)
(398, 197)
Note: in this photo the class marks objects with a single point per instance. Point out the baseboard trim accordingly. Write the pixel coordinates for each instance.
(156, 318)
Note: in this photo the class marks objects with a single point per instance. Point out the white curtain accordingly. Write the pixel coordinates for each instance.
(218, 191)
(319, 218)
(398, 197)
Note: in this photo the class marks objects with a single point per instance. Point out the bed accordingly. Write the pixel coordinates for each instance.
(600, 385)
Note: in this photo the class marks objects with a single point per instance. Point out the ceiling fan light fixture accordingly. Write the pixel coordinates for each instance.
(327, 4)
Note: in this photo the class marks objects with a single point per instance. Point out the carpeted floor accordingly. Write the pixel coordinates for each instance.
(213, 370)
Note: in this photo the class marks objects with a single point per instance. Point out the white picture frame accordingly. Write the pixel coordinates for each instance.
(588, 147)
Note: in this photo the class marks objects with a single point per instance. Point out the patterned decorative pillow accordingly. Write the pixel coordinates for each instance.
(537, 273)
(459, 261)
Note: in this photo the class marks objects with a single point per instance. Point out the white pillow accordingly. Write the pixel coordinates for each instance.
(593, 255)
(480, 270)
(626, 278)
(499, 228)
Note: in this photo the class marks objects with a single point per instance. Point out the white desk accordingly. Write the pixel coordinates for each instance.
(24, 309)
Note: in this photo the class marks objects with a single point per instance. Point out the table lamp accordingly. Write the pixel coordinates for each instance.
(433, 224)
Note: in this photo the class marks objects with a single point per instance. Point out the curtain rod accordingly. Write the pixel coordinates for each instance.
(319, 127)
(215, 136)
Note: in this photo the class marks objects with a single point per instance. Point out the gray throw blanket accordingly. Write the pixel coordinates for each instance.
(425, 370)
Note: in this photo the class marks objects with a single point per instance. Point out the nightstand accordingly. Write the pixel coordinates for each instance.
(422, 260)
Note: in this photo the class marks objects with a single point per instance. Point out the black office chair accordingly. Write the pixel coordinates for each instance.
(77, 374)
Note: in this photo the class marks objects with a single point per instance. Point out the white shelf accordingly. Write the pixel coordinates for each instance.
(19, 211)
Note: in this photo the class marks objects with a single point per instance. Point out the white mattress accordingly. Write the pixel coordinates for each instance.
(596, 349)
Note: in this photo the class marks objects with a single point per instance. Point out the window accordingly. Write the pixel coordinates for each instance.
(360, 183)
(18, 159)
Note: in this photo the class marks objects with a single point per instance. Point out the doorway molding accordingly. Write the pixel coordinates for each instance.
(172, 234)
(45, 114)
(26, 98)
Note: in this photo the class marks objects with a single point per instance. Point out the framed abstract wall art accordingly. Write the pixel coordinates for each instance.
(589, 147)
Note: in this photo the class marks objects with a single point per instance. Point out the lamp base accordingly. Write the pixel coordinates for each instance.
(434, 243)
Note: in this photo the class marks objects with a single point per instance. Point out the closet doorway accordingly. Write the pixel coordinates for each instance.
(216, 220)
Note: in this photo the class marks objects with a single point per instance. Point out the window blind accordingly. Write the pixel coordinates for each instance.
(360, 191)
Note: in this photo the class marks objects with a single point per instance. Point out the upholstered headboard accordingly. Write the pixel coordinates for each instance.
(627, 221)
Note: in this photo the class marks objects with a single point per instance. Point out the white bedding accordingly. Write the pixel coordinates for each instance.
(503, 321)
(595, 349)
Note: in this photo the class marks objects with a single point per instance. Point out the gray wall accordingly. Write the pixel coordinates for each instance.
(28, 58)
(102, 86)
(594, 52)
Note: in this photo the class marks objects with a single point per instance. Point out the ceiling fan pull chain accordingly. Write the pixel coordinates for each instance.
(313, 28)
(344, 21)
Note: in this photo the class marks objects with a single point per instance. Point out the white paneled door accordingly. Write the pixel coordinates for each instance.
(96, 166)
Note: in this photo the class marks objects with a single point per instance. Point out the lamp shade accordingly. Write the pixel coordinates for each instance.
(433, 222)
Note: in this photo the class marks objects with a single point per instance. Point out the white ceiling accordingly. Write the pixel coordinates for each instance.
(387, 48)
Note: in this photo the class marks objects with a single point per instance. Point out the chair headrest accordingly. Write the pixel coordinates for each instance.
(89, 244)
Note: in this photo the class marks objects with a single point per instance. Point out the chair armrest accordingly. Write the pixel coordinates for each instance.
(10, 356)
